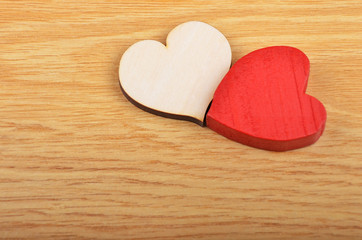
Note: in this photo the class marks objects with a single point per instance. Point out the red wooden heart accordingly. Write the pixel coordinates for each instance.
(261, 102)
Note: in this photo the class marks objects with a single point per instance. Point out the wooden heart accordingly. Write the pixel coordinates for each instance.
(261, 102)
(177, 80)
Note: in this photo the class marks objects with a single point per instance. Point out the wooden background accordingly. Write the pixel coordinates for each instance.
(78, 161)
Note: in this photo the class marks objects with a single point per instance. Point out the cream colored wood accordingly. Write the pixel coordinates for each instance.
(181, 77)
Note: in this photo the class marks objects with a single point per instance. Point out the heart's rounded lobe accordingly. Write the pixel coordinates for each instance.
(261, 102)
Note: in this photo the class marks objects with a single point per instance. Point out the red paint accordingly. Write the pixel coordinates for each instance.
(261, 102)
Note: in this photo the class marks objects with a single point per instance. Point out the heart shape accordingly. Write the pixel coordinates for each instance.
(261, 102)
(177, 80)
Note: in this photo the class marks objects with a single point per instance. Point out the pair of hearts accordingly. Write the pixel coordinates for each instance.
(260, 101)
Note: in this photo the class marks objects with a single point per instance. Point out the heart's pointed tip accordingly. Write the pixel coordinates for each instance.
(192, 119)
(262, 143)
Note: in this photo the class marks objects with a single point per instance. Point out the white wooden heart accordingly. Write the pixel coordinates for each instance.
(177, 80)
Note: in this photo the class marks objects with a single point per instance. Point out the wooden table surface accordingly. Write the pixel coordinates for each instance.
(78, 161)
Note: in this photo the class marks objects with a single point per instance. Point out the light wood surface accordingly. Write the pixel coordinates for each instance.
(78, 161)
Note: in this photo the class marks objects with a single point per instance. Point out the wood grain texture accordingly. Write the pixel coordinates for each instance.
(261, 102)
(78, 161)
